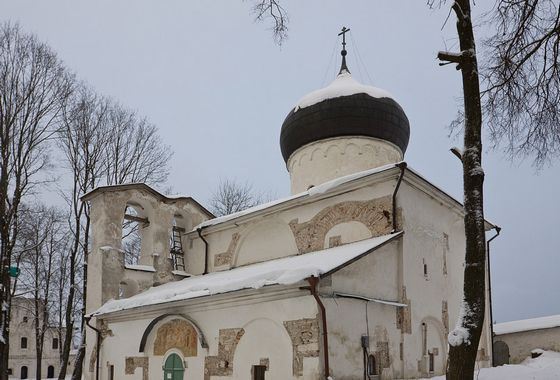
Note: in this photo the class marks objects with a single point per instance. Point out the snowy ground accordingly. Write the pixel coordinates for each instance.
(545, 367)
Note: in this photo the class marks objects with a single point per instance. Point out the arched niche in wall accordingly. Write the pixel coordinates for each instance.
(266, 343)
(432, 332)
(344, 233)
(172, 331)
(268, 239)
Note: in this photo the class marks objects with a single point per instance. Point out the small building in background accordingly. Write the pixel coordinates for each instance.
(22, 362)
(516, 340)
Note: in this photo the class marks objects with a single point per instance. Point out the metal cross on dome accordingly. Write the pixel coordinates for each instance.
(343, 34)
(343, 66)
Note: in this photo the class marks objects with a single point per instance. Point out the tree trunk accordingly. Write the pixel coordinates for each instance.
(464, 339)
(78, 365)
(67, 335)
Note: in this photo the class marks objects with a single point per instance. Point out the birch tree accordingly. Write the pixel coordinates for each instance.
(33, 86)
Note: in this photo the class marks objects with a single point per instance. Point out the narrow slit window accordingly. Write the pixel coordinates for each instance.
(431, 358)
(259, 372)
(371, 366)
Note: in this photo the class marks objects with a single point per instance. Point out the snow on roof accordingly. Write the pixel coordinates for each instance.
(343, 85)
(143, 268)
(283, 271)
(316, 190)
(527, 324)
(545, 367)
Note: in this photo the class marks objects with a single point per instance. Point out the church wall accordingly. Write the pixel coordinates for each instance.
(521, 343)
(433, 264)
(374, 276)
(321, 161)
(240, 334)
(325, 223)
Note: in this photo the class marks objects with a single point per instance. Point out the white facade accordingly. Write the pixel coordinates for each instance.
(385, 310)
(422, 269)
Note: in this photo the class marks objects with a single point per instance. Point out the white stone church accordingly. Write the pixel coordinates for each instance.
(357, 275)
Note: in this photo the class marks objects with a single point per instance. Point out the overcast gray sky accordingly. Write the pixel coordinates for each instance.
(218, 88)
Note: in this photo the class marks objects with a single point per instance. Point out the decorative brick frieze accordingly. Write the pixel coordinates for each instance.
(133, 362)
(403, 314)
(222, 365)
(445, 317)
(382, 355)
(304, 334)
(225, 258)
(375, 214)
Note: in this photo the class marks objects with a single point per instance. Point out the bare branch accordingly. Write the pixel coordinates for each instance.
(271, 9)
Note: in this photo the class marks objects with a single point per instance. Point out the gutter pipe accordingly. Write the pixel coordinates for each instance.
(199, 230)
(498, 229)
(402, 166)
(313, 281)
(97, 346)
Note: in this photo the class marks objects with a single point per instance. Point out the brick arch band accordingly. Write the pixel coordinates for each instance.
(154, 322)
(375, 214)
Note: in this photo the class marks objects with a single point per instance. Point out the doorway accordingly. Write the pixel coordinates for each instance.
(173, 368)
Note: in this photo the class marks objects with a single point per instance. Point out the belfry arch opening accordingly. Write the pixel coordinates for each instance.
(134, 222)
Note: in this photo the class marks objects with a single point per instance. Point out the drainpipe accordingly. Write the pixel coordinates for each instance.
(97, 346)
(498, 229)
(199, 230)
(402, 166)
(313, 281)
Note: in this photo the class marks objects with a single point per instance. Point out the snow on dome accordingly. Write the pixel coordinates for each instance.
(343, 85)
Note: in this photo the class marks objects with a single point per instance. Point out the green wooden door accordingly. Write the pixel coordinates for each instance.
(173, 368)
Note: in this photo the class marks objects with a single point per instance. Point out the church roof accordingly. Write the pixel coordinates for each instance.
(332, 186)
(283, 271)
(547, 322)
(143, 187)
(314, 191)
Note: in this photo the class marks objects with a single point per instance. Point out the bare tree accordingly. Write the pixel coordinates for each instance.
(104, 144)
(521, 78)
(33, 85)
(232, 196)
(42, 234)
(520, 100)
(82, 139)
(135, 152)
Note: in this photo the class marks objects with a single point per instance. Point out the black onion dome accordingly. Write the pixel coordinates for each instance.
(344, 108)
